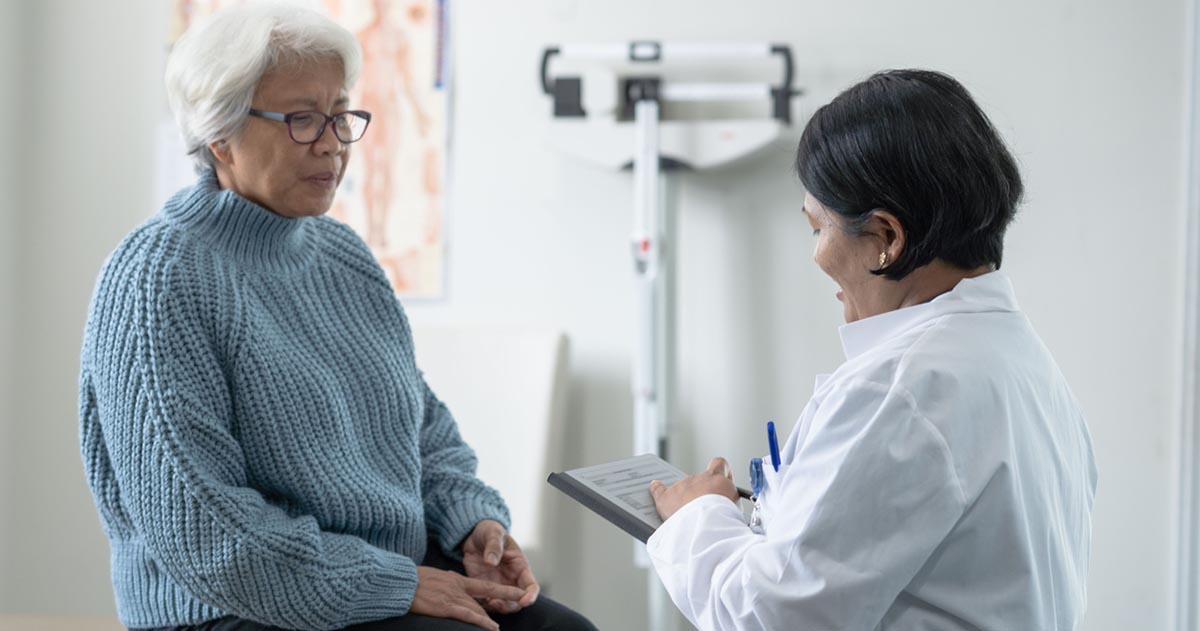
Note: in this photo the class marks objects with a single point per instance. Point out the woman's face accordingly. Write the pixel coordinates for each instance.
(848, 259)
(263, 164)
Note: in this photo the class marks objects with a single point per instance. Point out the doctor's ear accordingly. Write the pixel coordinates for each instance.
(887, 229)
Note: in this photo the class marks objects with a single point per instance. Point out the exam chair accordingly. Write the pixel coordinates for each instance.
(506, 387)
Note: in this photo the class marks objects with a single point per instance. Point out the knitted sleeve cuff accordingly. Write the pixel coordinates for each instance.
(450, 521)
(387, 591)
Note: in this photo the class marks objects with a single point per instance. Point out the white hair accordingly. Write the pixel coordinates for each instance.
(216, 65)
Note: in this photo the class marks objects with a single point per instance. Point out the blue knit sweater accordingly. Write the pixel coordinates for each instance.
(255, 432)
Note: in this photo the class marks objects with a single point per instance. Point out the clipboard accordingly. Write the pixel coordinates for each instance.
(619, 491)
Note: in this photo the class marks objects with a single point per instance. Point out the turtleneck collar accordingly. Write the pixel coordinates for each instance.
(251, 232)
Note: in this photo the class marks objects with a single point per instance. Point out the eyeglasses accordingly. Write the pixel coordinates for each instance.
(306, 127)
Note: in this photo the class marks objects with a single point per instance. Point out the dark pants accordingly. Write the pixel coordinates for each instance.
(543, 615)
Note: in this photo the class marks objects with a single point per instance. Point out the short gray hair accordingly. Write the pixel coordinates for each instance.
(216, 65)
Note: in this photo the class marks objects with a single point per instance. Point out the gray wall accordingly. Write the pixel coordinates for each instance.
(11, 205)
(1090, 96)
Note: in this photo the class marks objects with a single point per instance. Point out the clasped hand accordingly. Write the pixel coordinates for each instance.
(498, 579)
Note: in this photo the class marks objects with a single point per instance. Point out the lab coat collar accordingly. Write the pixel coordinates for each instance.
(990, 292)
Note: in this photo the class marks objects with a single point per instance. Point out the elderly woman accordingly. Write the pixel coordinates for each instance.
(261, 447)
(941, 478)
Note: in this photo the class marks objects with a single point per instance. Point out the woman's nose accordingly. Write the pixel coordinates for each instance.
(327, 143)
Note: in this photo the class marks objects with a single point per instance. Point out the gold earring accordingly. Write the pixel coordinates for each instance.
(883, 260)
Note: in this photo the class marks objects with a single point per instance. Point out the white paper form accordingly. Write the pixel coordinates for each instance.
(626, 483)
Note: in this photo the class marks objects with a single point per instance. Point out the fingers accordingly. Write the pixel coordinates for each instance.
(720, 466)
(532, 589)
(656, 488)
(527, 582)
(503, 606)
(443, 594)
(495, 549)
(487, 589)
(516, 563)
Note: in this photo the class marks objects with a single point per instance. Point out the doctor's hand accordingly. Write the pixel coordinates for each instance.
(491, 554)
(717, 479)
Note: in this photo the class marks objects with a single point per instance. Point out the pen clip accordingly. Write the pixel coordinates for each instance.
(757, 478)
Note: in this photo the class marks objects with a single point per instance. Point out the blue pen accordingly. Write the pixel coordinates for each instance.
(773, 443)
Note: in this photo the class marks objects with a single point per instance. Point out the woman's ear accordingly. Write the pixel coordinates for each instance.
(888, 229)
(220, 151)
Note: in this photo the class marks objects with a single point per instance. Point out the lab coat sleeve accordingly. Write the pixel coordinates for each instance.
(863, 504)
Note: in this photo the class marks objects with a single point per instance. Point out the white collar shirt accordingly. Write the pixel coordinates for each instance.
(941, 478)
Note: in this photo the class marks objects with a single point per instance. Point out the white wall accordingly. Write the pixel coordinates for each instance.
(1088, 94)
(94, 90)
(1187, 565)
(10, 204)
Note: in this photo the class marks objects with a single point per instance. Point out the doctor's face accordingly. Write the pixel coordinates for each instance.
(848, 259)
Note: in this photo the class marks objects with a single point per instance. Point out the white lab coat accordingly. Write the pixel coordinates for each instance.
(942, 478)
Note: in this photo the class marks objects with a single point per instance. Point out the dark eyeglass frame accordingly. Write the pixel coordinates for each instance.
(286, 118)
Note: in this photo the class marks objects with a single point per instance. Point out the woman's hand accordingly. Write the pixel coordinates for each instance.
(717, 479)
(491, 554)
(443, 594)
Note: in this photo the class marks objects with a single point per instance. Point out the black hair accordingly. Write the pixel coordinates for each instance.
(914, 143)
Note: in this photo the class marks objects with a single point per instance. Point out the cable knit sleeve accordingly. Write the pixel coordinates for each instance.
(154, 383)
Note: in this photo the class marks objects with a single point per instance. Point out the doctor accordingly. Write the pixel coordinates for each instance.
(943, 476)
